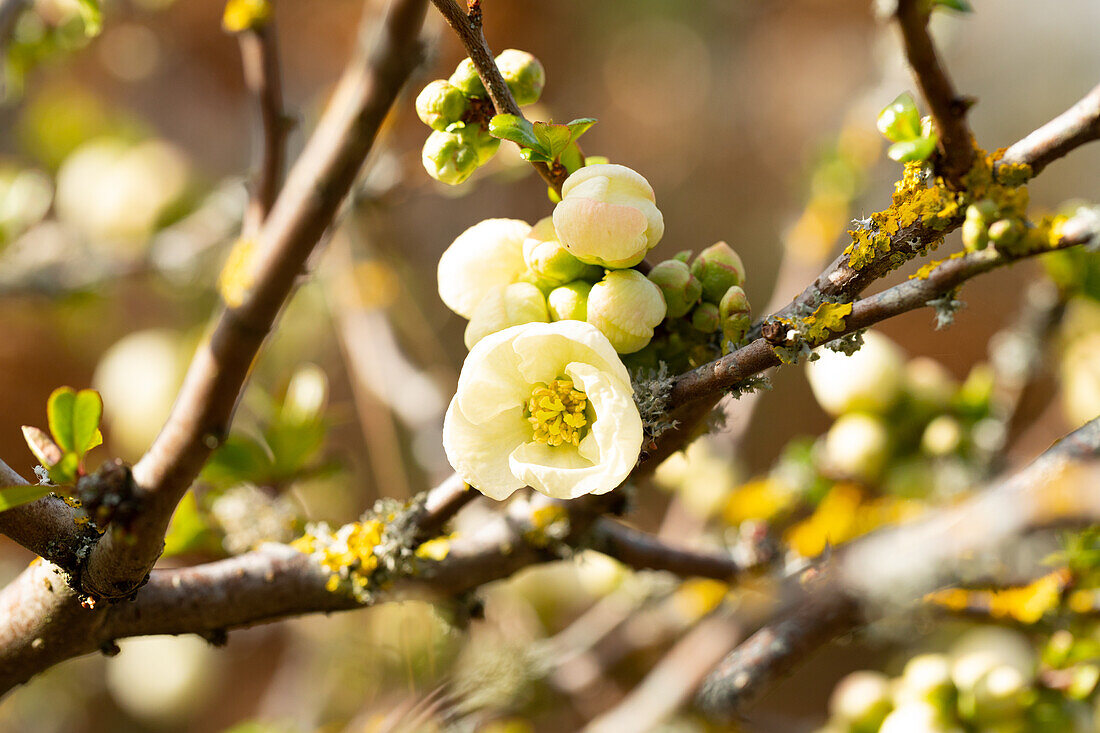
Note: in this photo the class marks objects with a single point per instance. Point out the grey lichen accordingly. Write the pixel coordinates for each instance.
(946, 308)
(757, 383)
(652, 388)
(847, 344)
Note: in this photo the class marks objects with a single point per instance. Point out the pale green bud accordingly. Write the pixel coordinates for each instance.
(856, 446)
(1000, 694)
(918, 716)
(547, 259)
(449, 157)
(705, 317)
(607, 216)
(975, 233)
(984, 210)
(988, 647)
(512, 305)
(466, 80)
(927, 678)
(479, 137)
(569, 302)
(719, 268)
(735, 315)
(870, 379)
(626, 307)
(861, 701)
(524, 75)
(1006, 233)
(680, 288)
(439, 104)
(941, 436)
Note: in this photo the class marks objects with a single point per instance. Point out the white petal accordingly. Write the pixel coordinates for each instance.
(480, 454)
(488, 255)
(491, 381)
(545, 350)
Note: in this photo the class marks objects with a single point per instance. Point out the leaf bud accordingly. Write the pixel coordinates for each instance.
(680, 288)
(718, 268)
(439, 104)
(524, 75)
(626, 307)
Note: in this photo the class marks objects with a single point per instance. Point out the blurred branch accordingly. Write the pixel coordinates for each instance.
(319, 181)
(710, 379)
(893, 568)
(10, 10)
(643, 551)
(1076, 126)
(260, 62)
(672, 681)
(948, 109)
(467, 26)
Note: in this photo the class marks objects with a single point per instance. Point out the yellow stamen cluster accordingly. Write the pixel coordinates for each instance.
(557, 413)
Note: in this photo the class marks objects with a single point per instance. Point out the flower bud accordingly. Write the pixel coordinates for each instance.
(861, 700)
(975, 233)
(547, 259)
(1005, 233)
(868, 380)
(941, 436)
(735, 315)
(680, 288)
(705, 317)
(439, 104)
(927, 678)
(524, 75)
(988, 647)
(918, 716)
(719, 268)
(512, 305)
(607, 216)
(569, 302)
(479, 137)
(857, 446)
(466, 80)
(984, 210)
(999, 694)
(626, 307)
(449, 157)
(485, 257)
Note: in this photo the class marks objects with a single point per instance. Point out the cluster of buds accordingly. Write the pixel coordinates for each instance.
(986, 225)
(458, 109)
(987, 681)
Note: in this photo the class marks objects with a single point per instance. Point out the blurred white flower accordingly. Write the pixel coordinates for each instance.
(869, 379)
(483, 258)
(162, 679)
(546, 405)
(608, 216)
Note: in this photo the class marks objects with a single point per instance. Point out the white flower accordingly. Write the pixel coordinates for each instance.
(487, 256)
(869, 379)
(546, 405)
(512, 305)
(607, 216)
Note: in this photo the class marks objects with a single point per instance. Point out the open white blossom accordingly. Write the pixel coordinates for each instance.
(546, 405)
(487, 256)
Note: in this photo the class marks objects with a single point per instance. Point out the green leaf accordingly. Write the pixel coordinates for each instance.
(556, 138)
(74, 419)
(899, 121)
(64, 472)
(92, 15)
(580, 126)
(961, 5)
(42, 446)
(518, 130)
(912, 150)
(240, 459)
(12, 496)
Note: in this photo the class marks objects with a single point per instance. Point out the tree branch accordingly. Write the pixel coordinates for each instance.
(38, 525)
(710, 379)
(260, 63)
(893, 568)
(643, 551)
(468, 28)
(1073, 128)
(319, 181)
(956, 143)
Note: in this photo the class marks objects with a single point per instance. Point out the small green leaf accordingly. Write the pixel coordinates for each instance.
(554, 138)
(961, 5)
(12, 496)
(908, 151)
(64, 472)
(516, 129)
(900, 121)
(534, 156)
(580, 126)
(572, 158)
(74, 419)
(42, 446)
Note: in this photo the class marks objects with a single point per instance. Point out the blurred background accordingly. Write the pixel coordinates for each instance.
(122, 183)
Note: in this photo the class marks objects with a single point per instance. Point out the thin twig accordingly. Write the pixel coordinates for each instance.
(260, 62)
(469, 30)
(956, 143)
(643, 551)
(1073, 128)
